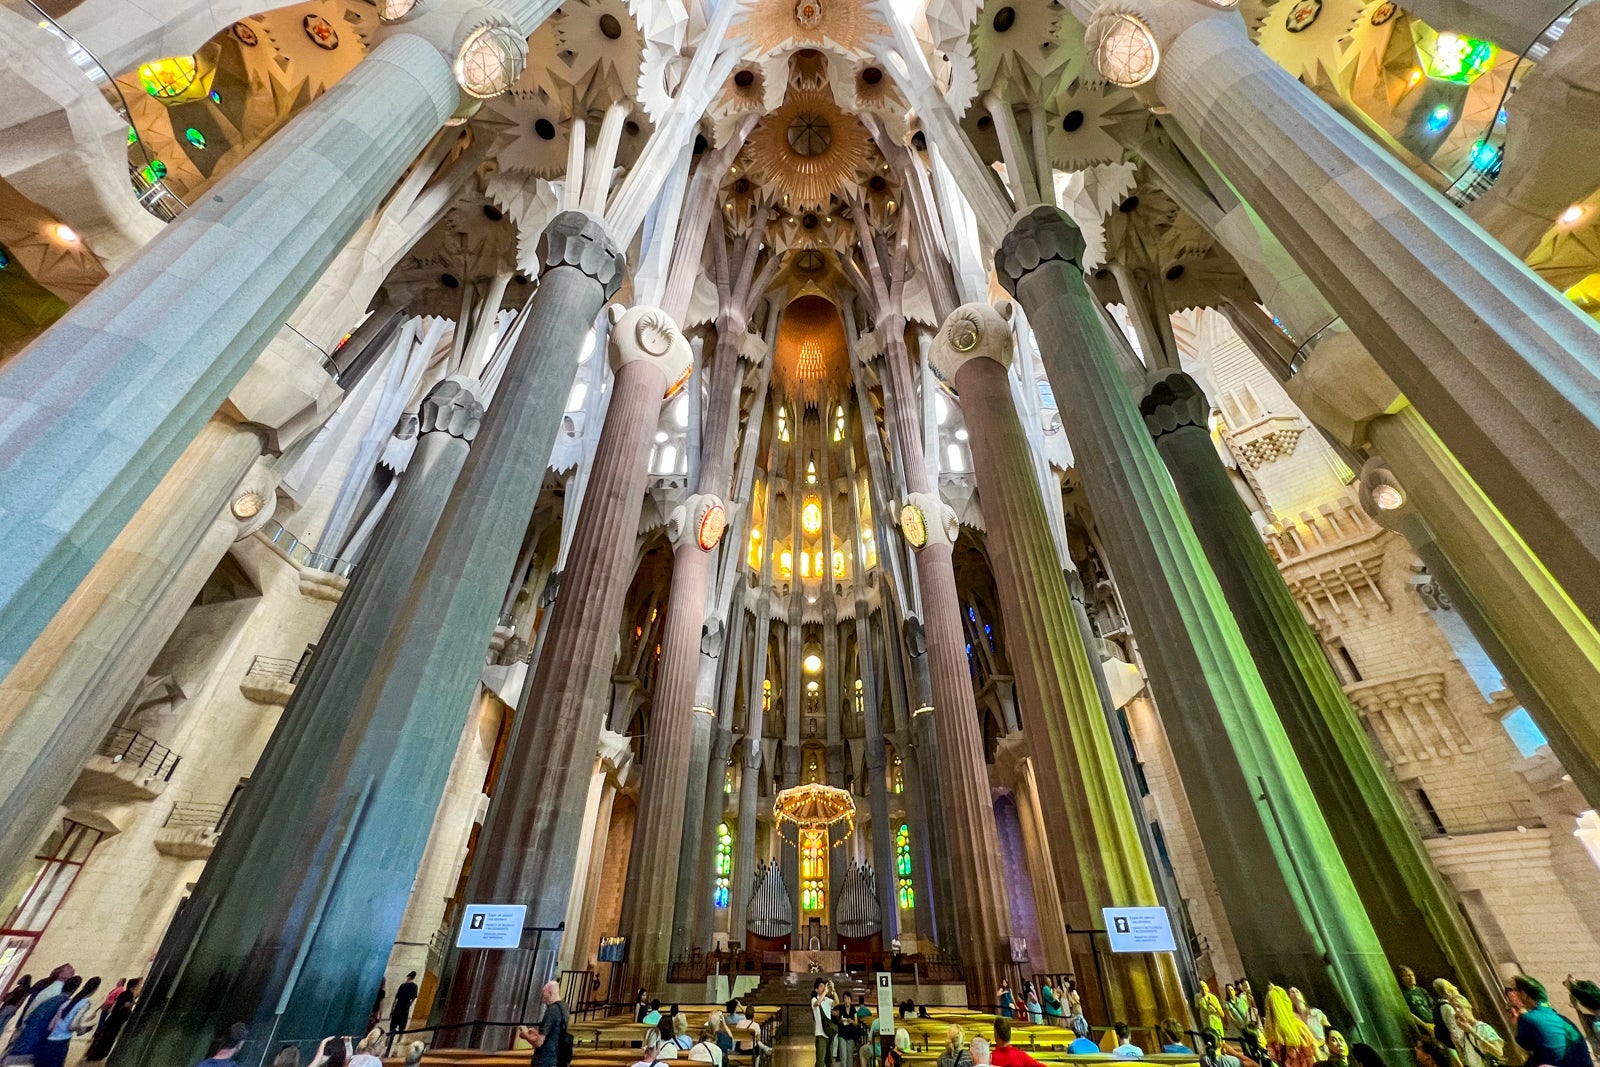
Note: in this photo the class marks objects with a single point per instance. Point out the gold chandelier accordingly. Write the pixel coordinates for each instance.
(814, 806)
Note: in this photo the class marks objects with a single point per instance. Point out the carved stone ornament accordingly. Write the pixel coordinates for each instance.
(452, 408)
(973, 331)
(321, 31)
(1043, 235)
(925, 519)
(648, 334)
(808, 13)
(1302, 16)
(1173, 400)
(579, 239)
(702, 518)
(254, 500)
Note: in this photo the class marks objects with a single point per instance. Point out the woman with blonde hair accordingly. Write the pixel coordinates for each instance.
(1289, 1040)
(1476, 1042)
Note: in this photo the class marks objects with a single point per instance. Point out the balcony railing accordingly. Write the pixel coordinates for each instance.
(303, 554)
(285, 670)
(1500, 817)
(134, 749)
(197, 817)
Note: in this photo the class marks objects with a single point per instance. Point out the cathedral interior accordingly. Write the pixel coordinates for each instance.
(792, 487)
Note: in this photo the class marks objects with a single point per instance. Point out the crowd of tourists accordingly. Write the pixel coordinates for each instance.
(61, 1006)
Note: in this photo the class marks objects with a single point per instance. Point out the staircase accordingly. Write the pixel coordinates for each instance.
(792, 992)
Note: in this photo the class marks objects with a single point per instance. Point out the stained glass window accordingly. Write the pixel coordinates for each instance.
(897, 778)
(727, 777)
(783, 424)
(904, 891)
(720, 894)
(813, 869)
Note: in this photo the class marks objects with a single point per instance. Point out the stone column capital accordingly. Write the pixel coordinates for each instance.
(701, 520)
(1044, 234)
(452, 408)
(579, 239)
(973, 331)
(1342, 388)
(1172, 401)
(645, 334)
(925, 519)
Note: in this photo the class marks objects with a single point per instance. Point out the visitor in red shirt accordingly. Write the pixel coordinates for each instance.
(1004, 1054)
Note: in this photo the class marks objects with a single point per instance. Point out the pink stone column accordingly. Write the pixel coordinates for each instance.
(967, 813)
(530, 842)
(1098, 857)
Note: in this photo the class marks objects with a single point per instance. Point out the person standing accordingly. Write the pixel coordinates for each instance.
(1243, 1017)
(73, 1018)
(1338, 1051)
(11, 1003)
(822, 1027)
(1314, 1018)
(404, 997)
(1547, 1036)
(1418, 1000)
(1030, 1001)
(1074, 1000)
(112, 1023)
(1289, 1040)
(552, 1032)
(1208, 1009)
(1006, 999)
(36, 1023)
(1585, 998)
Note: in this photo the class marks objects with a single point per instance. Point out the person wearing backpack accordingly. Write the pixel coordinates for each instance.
(552, 1037)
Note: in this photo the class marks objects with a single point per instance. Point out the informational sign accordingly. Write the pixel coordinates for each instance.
(1139, 930)
(885, 1002)
(613, 949)
(492, 926)
(1019, 950)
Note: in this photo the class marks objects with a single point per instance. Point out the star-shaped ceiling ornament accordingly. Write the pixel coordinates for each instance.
(320, 42)
(1081, 124)
(1016, 40)
(531, 131)
(603, 48)
(1308, 37)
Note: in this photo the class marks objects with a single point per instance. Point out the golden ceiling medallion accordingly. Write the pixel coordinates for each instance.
(808, 13)
(808, 150)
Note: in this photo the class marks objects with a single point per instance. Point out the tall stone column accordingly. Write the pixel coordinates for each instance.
(1408, 903)
(1497, 361)
(742, 884)
(155, 349)
(1052, 918)
(1548, 650)
(1102, 862)
(679, 732)
(530, 841)
(965, 810)
(232, 952)
(1291, 903)
(578, 943)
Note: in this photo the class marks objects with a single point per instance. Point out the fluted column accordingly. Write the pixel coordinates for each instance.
(530, 841)
(231, 955)
(106, 400)
(964, 807)
(1291, 904)
(1102, 863)
(648, 915)
(1041, 869)
(1497, 361)
(1409, 906)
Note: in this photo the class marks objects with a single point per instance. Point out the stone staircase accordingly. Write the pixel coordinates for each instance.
(792, 992)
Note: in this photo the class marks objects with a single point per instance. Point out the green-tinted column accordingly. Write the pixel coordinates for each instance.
(1101, 863)
(1404, 896)
(1290, 901)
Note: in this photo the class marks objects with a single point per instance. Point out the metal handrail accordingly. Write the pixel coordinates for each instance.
(287, 670)
(123, 745)
(154, 201)
(302, 553)
(191, 816)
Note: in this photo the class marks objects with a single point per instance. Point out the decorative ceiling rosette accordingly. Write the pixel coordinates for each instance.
(846, 26)
(1308, 37)
(808, 150)
(602, 46)
(1016, 40)
(1136, 227)
(546, 71)
(1082, 121)
(319, 61)
(533, 132)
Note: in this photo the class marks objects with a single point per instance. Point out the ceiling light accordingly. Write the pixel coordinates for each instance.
(812, 663)
(66, 234)
(1567, 217)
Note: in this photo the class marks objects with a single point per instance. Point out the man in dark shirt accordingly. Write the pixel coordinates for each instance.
(1418, 1000)
(404, 997)
(546, 1037)
(1545, 1034)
